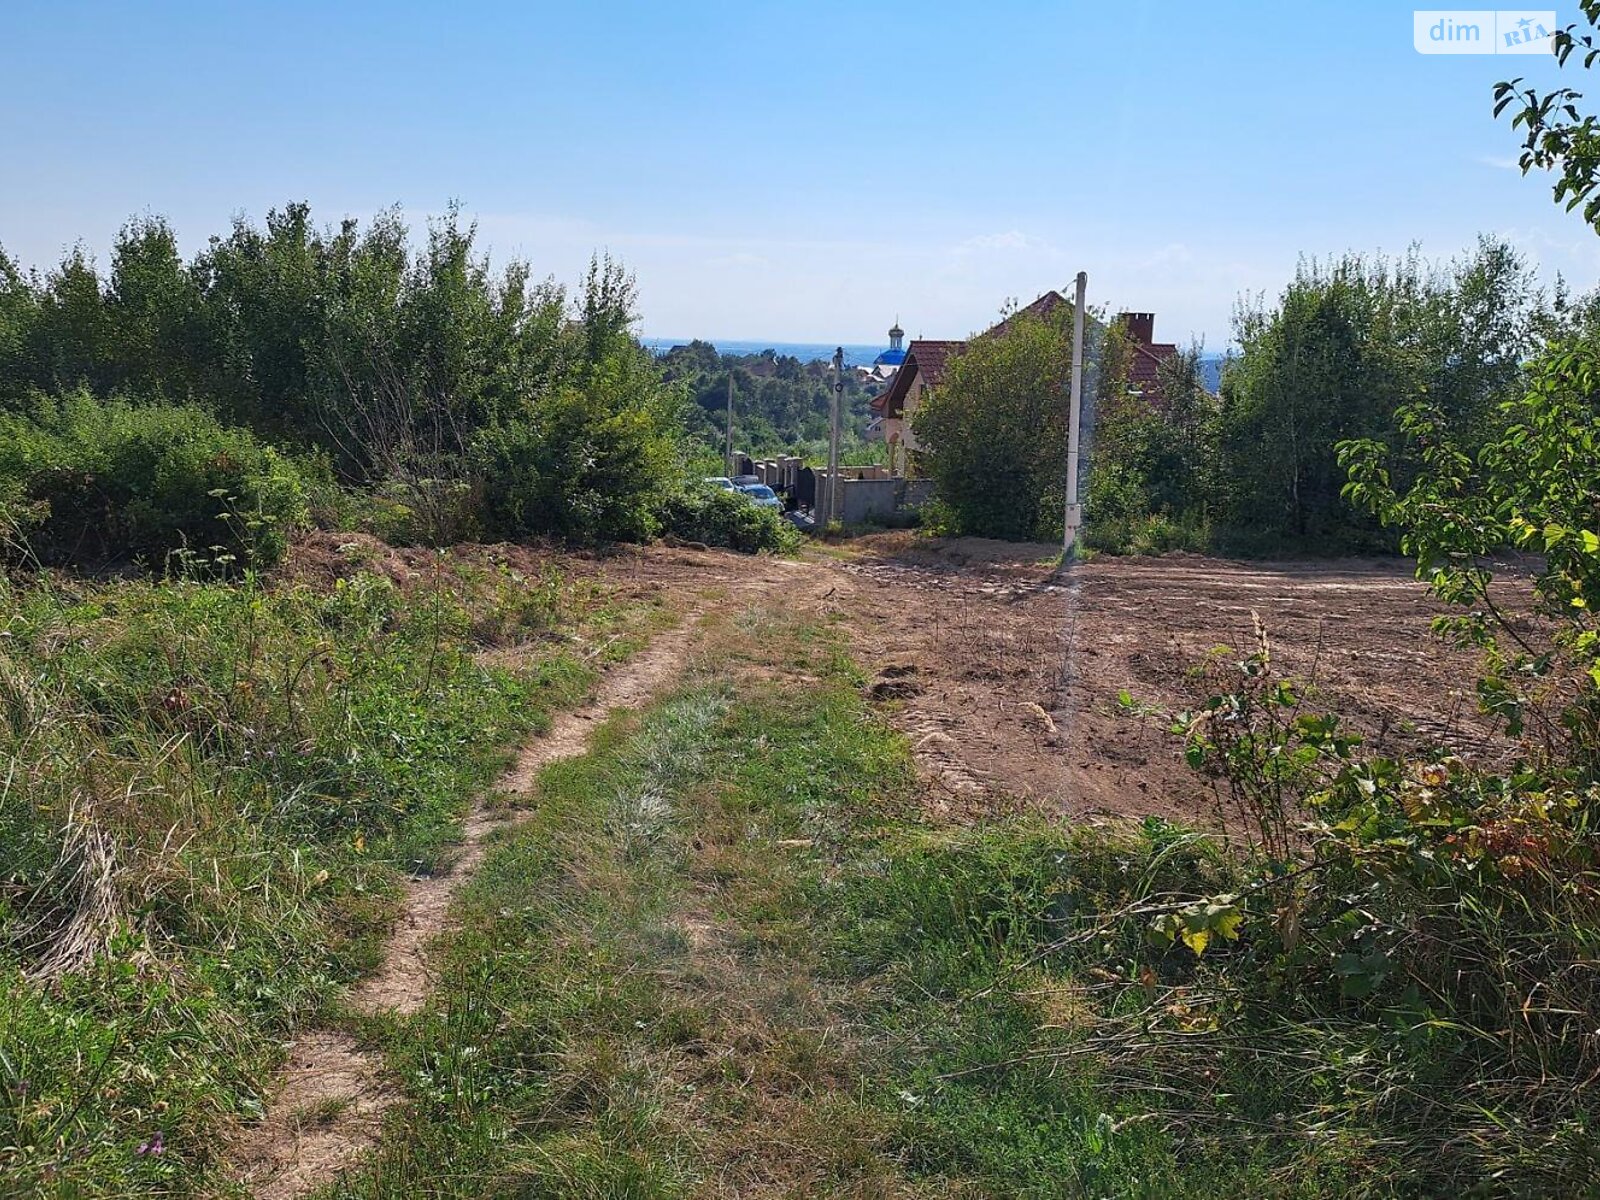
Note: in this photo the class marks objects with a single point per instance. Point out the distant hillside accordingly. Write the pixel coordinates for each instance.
(780, 403)
(856, 354)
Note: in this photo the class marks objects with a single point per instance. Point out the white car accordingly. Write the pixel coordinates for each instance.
(720, 482)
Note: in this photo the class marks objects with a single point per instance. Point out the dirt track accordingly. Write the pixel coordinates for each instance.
(329, 1106)
(292, 1151)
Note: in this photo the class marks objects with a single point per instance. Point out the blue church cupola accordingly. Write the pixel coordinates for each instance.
(895, 354)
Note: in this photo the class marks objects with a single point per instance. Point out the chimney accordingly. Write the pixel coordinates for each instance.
(1141, 326)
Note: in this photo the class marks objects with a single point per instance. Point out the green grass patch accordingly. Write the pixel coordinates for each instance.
(725, 953)
(990, 1062)
(210, 795)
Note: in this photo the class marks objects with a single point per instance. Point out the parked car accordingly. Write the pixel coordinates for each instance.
(720, 483)
(740, 481)
(762, 496)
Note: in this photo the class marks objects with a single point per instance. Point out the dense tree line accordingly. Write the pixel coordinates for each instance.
(1348, 344)
(1336, 356)
(781, 404)
(458, 400)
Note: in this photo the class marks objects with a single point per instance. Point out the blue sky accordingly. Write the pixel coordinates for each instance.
(793, 172)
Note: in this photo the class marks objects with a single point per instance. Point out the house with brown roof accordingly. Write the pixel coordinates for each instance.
(1144, 363)
(923, 371)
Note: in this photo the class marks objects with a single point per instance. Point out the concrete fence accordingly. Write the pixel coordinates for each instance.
(869, 498)
(866, 494)
(780, 472)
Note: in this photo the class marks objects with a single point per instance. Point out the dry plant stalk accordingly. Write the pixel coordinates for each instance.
(88, 852)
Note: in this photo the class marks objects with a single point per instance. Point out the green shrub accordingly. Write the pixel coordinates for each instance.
(107, 480)
(1153, 534)
(1424, 932)
(994, 435)
(584, 464)
(424, 512)
(719, 518)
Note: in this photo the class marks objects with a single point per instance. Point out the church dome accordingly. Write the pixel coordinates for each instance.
(894, 355)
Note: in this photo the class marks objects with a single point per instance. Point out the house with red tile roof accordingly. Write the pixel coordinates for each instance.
(1144, 363)
(924, 370)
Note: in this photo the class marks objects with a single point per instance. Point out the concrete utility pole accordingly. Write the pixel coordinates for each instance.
(833, 435)
(730, 425)
(1074, 515)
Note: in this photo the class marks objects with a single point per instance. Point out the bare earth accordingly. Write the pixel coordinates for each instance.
(1005, 677)
(1005, 674)
(1008, 674)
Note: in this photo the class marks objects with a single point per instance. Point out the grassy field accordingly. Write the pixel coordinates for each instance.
(725, 955)
(730, 950)
(210, 795)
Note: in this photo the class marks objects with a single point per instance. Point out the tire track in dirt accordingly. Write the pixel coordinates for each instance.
(329, 1109)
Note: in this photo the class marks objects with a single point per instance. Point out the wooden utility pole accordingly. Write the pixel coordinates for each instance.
(729, 454)
(1074, 513)
(833, 435)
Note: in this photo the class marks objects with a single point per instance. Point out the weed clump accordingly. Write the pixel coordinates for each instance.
(720, 518)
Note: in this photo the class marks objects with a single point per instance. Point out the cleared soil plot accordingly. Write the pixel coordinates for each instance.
(1007, 676)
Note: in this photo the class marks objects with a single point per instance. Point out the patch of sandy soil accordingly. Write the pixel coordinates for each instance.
(1006, 675)
(327, 1113)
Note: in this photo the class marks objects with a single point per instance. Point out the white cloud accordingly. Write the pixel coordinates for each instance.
(1174, 254)
(1011, 239)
